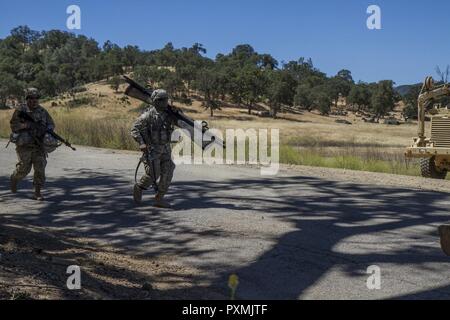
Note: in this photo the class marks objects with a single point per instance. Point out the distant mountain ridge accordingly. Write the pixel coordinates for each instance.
(405, 89)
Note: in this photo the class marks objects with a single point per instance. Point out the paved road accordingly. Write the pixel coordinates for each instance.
(294, 236)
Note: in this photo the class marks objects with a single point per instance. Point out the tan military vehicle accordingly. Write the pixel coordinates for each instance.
(433, 151)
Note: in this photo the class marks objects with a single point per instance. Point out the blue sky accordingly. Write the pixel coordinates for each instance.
(413, 39)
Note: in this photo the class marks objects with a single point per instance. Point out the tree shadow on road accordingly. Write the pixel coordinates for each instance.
(327, 223)
(100, 206)
(327, 216)
(90, 205)
(34, 264)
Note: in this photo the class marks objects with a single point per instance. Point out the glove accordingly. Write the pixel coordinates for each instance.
(143, 147)
(24, 126)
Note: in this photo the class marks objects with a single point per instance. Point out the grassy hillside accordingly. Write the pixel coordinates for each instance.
(100, 117)
(405, 89)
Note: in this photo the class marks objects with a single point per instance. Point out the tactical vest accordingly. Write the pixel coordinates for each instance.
(26, 137)
(160, 127)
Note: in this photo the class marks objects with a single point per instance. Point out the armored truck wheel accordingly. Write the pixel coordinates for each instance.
(429, 170)
(434, 150)
(444, 233)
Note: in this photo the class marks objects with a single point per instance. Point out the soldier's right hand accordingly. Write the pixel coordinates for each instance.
(143, 147)
(24, 125)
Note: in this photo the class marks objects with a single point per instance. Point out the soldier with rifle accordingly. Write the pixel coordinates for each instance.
(32, 132)
(153, 132)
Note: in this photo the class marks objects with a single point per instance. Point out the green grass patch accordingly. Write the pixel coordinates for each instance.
(290, 155)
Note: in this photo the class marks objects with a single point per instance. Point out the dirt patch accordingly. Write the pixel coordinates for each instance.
(34, 262)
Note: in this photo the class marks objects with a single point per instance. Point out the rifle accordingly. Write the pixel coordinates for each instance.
(147, 159)
(25, 116)
(135, 90)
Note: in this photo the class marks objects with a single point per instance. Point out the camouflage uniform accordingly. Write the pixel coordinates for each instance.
(154, 128)
(29, 145)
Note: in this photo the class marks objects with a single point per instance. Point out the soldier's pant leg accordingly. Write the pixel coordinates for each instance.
(23, 167)
(167, 170)
(152, 173)
(39, 163)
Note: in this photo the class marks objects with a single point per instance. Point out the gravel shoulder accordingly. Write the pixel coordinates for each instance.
(373, 178)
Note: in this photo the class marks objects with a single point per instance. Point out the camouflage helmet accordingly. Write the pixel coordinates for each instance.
(159, 94)
(32, 93)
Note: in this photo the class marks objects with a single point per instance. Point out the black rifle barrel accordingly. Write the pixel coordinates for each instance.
(27, 117)
(137, 85)
(174, 112)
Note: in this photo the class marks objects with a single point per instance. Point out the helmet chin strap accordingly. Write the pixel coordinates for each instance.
(161, 107)
(32, 106)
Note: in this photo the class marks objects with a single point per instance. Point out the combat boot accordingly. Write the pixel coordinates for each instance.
(37, 194)
(160, 202)
(13, 184)
(444, 233)
(137, 194)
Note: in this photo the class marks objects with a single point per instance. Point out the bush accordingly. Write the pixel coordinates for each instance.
(125, 100)
(184, 99)
(83, 101)
(410, 112)
(78, 89)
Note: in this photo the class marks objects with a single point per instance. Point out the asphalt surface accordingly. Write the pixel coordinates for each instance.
(292, 236)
